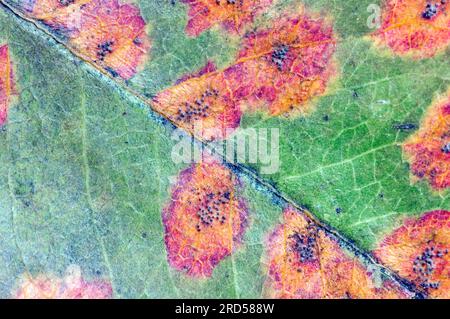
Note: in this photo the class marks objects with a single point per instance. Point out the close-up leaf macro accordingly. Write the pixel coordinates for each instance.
(224, 149)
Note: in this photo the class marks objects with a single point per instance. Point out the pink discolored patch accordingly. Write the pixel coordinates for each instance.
(419, 251)
(6, 83)
(72, 286)
(233, 15)
(305, 262)
(63, 15)
(205, 219)
(418, 28)
(113, 36)
(108, 33)
(284, 67)
(428, 150)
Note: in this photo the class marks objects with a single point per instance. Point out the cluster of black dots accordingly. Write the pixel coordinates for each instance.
(279, 55)
(424, 266)
(432, 9)
(197, 110)
(210, 209)
(446, 148)
(66, 3)
(232, 2)
(104, 49)
(304, 244)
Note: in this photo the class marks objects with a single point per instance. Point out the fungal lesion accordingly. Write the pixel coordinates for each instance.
(212, 208)
(433, 9)
(425, 264)
(198, 109)
(137, 41)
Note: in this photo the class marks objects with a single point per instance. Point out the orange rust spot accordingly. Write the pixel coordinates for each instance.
(232, 14)
(205, 220)
(106, 32)
(281, 69)
(305, 262)
(419, 251)
(113, 36)
(72, 286)
(201, 103)
(284, 67)
(428, 150)
(6, 83)
(419, 28)
(60, 14)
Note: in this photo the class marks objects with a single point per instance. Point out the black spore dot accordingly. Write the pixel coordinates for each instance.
(338, 210)
(446, 148)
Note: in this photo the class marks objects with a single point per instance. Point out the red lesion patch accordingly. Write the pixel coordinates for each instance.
(285, 66)
(201, 103)
(232, 14)
(305, 262)
(59, 14)
(280, 69)
(6, 82)
(71, 286)
(428, 151)
(419, 251)
(419, 28)
(111, 34)
(205, 220)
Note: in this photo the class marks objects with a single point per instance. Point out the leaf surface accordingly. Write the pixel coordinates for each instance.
(93, 203)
